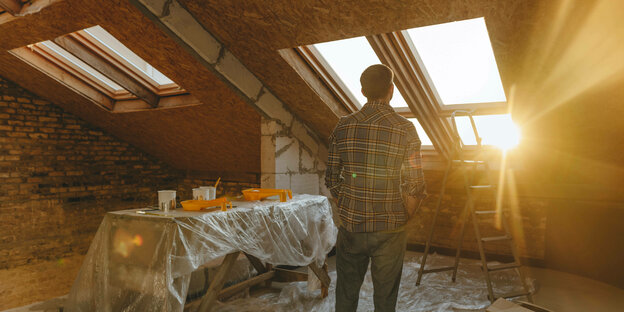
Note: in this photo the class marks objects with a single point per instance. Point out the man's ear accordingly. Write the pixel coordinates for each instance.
(363, 92)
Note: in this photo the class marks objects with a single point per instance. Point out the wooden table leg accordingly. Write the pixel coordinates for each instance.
(257, 264)
(323, 276)
(209, 299)
(269, 267)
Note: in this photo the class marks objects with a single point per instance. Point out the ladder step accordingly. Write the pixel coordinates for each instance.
(514, 294)
(485, 212)
(503, 266)
(495, 238)
(441, 269)
(482, 187)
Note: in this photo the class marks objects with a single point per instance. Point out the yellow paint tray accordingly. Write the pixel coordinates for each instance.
(260, 193)
(196, 205)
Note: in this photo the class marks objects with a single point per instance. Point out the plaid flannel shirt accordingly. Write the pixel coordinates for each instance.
(374, 156)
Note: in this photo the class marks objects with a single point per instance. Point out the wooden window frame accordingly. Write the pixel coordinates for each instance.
(89, 50)
(120, 62)
(315, 59)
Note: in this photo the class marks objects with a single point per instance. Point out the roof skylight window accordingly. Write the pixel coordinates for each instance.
(129, 57)
(496, 130)
(67, 57)
(99, 67)
(349, 58)
(422, 135)
(459, 59)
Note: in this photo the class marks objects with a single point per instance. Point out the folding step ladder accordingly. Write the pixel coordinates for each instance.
(470, 169)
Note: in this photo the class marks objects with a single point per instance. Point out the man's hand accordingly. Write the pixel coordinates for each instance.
(412, 204)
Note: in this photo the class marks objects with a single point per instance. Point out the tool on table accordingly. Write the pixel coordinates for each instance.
(260, 193)
(150, 213)
(219, 179)
(196, 205)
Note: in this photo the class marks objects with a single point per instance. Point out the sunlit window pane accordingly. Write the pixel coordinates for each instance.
(459, 59)
(496, 130)
(424, 139)
(349, 58)
(69, 58)
(117, 47)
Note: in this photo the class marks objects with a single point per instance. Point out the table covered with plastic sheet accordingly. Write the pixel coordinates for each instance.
(143, 262)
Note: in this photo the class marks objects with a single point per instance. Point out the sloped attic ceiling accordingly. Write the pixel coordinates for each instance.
(256, 30)
(201, 138)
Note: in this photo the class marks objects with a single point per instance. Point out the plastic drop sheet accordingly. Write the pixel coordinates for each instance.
(142, 262)
(436, 292)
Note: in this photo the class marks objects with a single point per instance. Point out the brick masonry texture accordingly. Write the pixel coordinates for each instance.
(58, 177)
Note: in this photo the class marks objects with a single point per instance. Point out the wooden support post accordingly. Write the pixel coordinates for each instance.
(73, 46)
(11, 6)
(207, 303)
(257, 264)
(322, 275)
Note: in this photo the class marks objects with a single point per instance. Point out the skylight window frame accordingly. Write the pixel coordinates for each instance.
(326, 73)
(313, 57)
(397, 50)
(483, 108)
(41, 49)
(47, 57)
(121, 63)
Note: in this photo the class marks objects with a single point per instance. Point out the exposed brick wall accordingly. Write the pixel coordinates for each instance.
(58, 177)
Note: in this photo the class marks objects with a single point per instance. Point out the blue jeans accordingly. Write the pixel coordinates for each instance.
(353, 252)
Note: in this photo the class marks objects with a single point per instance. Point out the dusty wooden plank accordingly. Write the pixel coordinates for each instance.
(287, 276)
(11, 6)
(101, 65)
(207, 303)
(236, 288)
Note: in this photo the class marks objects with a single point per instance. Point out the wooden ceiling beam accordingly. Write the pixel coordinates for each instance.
(73, 46)
(12, 6)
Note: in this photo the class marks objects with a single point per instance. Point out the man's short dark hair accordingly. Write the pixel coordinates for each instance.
(376, 81)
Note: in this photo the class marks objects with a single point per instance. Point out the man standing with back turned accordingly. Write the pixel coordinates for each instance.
(374, 171)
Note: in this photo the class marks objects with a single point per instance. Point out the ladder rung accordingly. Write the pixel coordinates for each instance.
(441, 269)
(482, 187)
(503, 266)
(514, 294)
(495, 238)
(485, 212)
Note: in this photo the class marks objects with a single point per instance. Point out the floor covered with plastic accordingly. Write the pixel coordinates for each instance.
(436, 293)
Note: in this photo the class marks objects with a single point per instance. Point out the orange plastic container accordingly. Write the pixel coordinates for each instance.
(260, 193)
(196, 205)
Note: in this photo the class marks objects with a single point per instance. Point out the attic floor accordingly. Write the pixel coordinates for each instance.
(555, 290)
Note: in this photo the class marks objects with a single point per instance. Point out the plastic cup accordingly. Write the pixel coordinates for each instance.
(166, 200)
(211, 192)
(201, 193)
